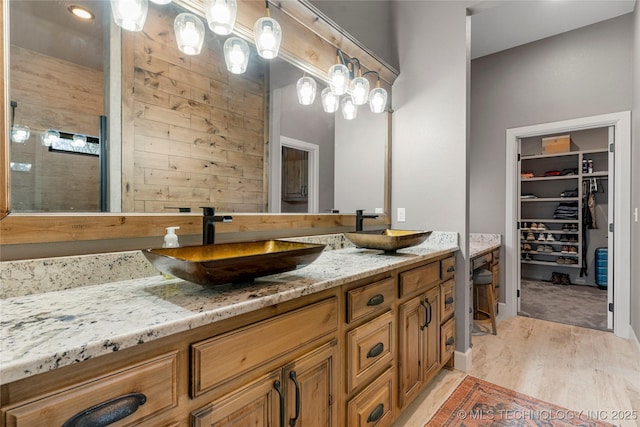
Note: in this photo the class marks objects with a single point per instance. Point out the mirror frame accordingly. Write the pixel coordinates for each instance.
(305, 43)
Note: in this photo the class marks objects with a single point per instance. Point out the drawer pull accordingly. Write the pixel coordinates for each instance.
(426, 316)
(450, 341)
(451, 269)
(278, 387)
(108, 412)
(376, 350)
(375, 300)
(376, 414)
(294, 420)
(449, 300)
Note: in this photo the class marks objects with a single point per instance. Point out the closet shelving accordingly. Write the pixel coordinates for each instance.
(540, 196)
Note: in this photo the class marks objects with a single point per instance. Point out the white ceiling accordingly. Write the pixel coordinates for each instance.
(500, 25)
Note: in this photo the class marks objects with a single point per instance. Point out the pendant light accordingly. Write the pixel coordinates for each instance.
(161, 1)
(189, 31)
(79, 140)
(349, 109)
(130, 14)
(339, 76)
(50, 137)
(306, 88)
(330, 101)
(359, 87)
(19, 133)
(377, 96)
(221, 15)
(268, 35)
(236, 55)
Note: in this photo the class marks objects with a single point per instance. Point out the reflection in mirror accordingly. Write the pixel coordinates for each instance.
(193, 134)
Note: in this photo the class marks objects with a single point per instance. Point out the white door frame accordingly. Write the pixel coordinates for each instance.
(621, 217)
(313, 174)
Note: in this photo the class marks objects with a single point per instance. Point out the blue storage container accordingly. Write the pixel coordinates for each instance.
(602, 267)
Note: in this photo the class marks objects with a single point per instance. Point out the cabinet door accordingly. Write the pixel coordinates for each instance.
(412, 315)
(311, 389)
(430, 360)
(255, 405)
(294, 174)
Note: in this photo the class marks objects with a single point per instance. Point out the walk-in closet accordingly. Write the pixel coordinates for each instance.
(564, 207)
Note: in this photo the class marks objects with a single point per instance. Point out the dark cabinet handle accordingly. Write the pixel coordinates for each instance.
(294, 378)
(108, 412)
(450, 341)
(426, 316)
(375, 300)
(430, 312)
(376, 414)
(451, 269)
(278, 387)
(449, 300)
(375, 350)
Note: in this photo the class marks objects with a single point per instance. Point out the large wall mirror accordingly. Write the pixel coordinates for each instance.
(196, 134)
(123, 122)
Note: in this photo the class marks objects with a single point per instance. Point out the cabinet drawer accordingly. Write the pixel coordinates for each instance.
(369, 299)
(149, 386)
(496, 255)
(372, 406)
(447, 299)
(419, 278)
(482, 261)
(369, 350)
(447, 340)
(448, 268)
(222, 358)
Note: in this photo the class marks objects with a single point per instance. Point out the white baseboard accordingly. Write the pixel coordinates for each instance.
(462, 361)
(502, 310)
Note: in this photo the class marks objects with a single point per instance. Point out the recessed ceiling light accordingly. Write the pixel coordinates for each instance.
(81, 12)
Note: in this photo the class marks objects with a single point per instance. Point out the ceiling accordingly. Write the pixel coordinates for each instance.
(501, 25)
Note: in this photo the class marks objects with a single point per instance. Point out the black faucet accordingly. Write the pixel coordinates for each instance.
(209, 225)
(360, 219)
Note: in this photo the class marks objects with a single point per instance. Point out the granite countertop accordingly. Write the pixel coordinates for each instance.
(45, 331)
(480, 244)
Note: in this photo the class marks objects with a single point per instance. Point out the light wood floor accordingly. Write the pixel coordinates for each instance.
(577, 368)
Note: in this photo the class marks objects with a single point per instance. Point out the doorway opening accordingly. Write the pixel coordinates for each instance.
(298, 176)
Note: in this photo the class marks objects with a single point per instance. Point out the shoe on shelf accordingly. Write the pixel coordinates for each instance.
(573, 239)
(550, 238)
(541, 226)
(530, 237)
(574, 227)
(573, 250)
(566, 227)
(571, 261)
(563, 238)
(556, 278)
(525, 226)
(540, 248)
(526, 257)
(560, 260)
(534, 226)
(565, 249)
(541, 237)
(565, 279)
(548, 248)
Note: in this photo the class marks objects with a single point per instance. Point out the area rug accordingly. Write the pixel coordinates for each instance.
(576, 305)
(478, 403)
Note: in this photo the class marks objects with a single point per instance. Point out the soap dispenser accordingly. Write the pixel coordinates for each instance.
(171, 239)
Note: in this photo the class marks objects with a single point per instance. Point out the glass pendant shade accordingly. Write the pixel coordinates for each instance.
(339, 79)
(359, 90)
(268, 35)
(378, 100)
(221, 15)
(50, 137)
(349, 109)
(330, 102)
(161, 1)
(236, 55)
(189, 31)
(306, 88)
(79, 140)
(130, 14)
(20, 133)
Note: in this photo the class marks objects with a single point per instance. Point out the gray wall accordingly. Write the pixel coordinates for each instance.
(635, 181)
(581, 73)
(371, 27)
(429, 160)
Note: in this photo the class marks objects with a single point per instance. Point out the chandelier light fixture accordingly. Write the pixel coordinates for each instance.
(330, 102)
(19, 133)
(130, 14)
(359, 86)
(306, 88)
(221, 15)
(339, 75)
(161, 1)
(377, 96)
(189, 31)
(268, 35)
(50, 137)
(349, 109)
(236, 55)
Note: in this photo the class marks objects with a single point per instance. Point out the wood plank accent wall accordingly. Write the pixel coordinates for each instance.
(196, 131)
(54, 94)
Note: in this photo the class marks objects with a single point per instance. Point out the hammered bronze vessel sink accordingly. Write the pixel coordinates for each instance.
(233, 262)
(387, 240)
